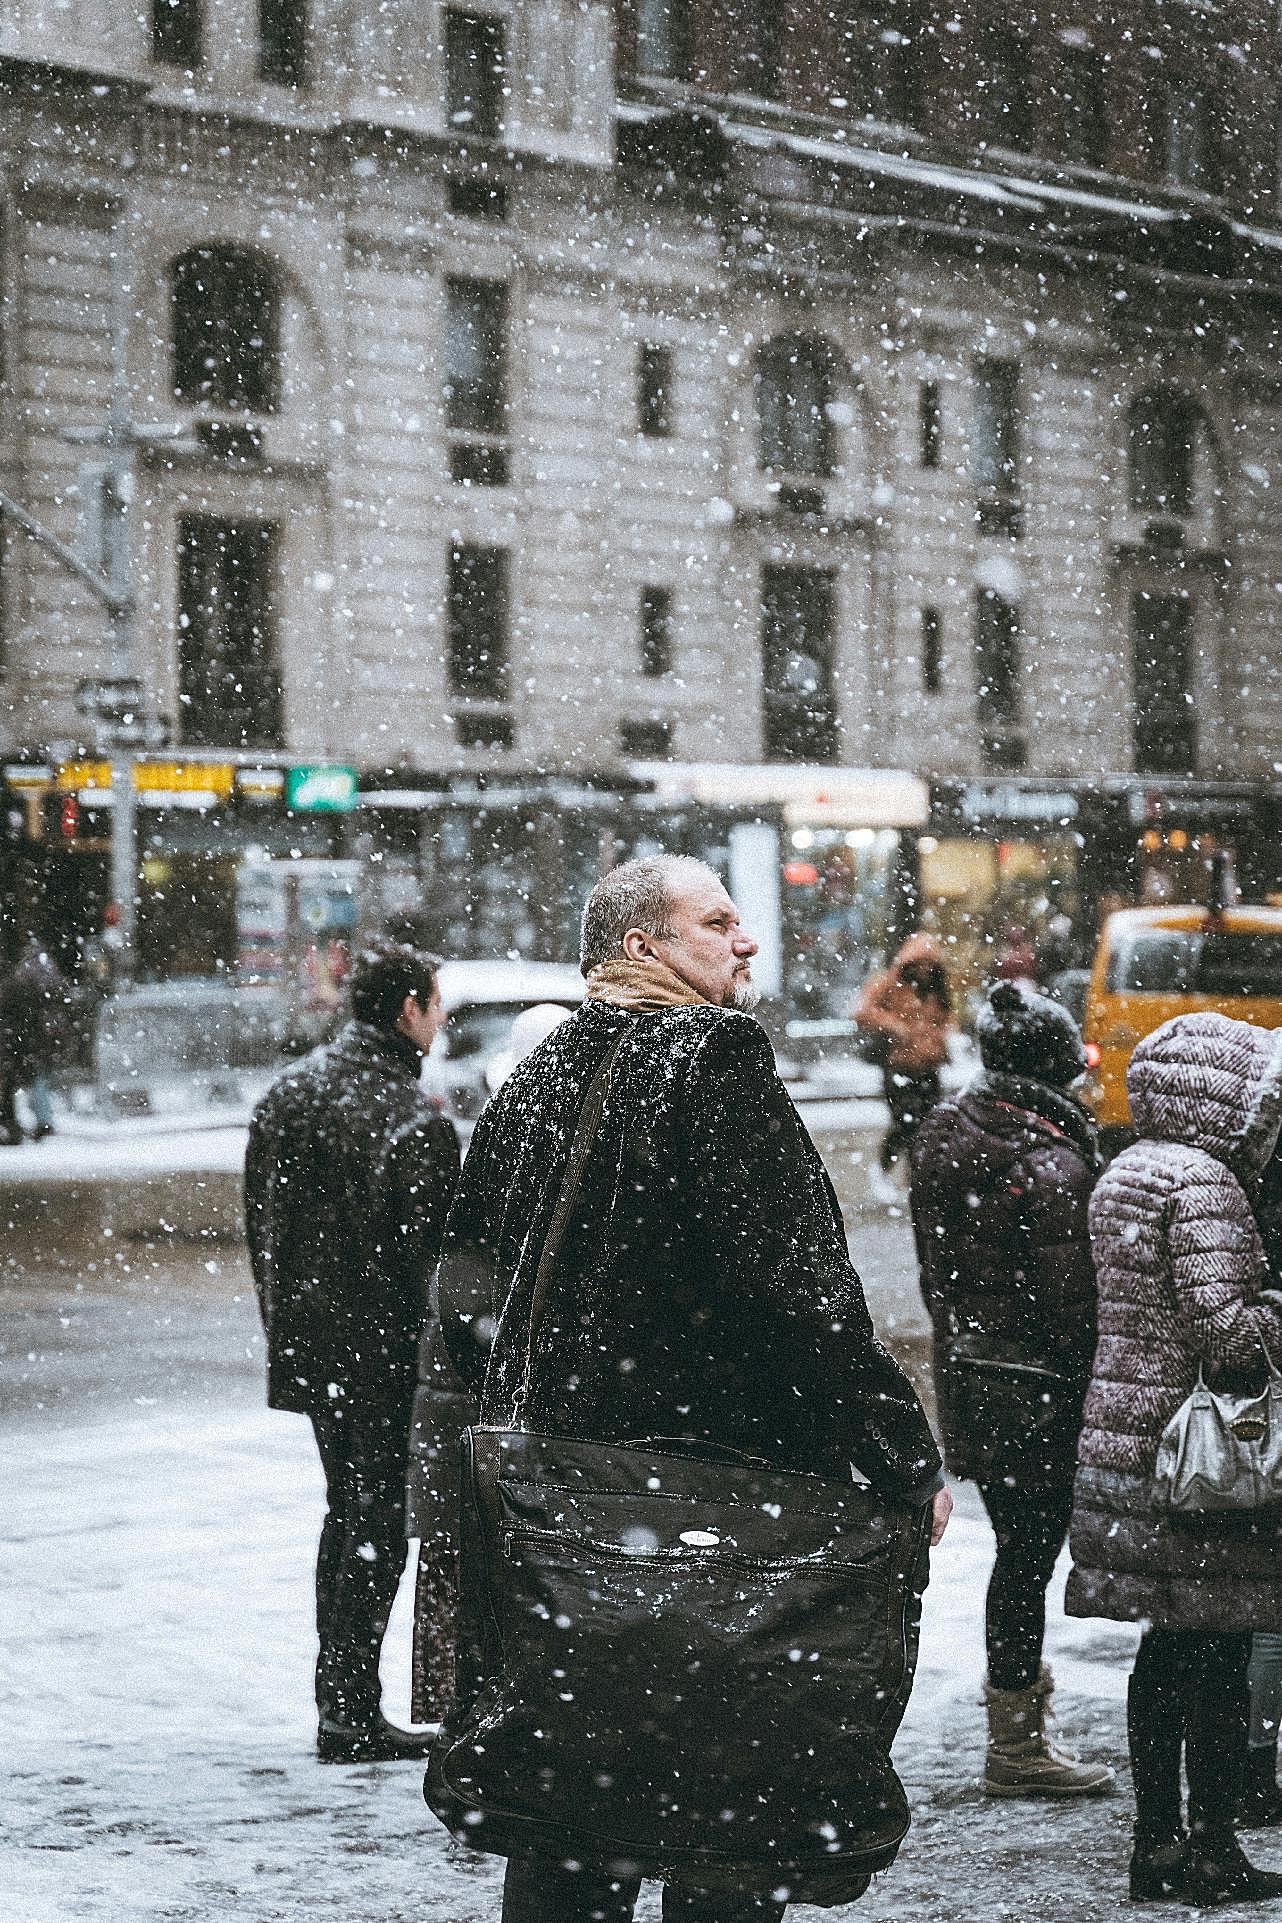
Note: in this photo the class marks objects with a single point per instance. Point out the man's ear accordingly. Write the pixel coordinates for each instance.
(638, 946)
(409, 1008)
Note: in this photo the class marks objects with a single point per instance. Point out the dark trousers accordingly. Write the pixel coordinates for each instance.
(10, 1126)
(540, 1889)
(1030, 1526)
(1188, 1690)
(362, 1554)
(910, 1099)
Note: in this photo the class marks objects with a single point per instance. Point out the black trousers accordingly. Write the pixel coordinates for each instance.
(910, 1099)
(1030, 1526)
(539, 1889)
(10, 1126)
(362, 1554)
(1188, 1691)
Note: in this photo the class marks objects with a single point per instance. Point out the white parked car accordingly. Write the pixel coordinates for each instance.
(482, 999)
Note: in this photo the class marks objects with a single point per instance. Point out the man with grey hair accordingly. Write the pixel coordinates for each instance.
(704, 1287)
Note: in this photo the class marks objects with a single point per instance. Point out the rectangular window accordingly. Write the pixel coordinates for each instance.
(479, 464)
(654, 391)
(177, 33)
(663, 39)
(477, 197)
(1165, 717)
(1162, 441)
(476, 356)
(1084, 106)
(887, 82)
(656, 632)
(483, 728)
(932, 650)
(474, 67)
(995, 438)
(997, 702)
(228, 664)
(930, 424)
(1003, 98)
(282, 41)
(797, 635)
(1192, 137)
(477, 623)
(762, 52)
(645, 740)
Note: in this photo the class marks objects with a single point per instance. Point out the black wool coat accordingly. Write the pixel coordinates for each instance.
(348, 1177)
(704, 1288)
(1001, 1183)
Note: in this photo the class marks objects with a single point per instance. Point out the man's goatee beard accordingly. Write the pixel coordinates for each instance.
(744, 996)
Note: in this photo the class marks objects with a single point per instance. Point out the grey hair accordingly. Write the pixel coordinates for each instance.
(636, 894)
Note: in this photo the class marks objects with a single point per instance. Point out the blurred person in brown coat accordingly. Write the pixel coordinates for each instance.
(906, 1010)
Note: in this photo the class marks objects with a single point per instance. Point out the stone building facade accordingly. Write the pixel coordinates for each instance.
(522, 385)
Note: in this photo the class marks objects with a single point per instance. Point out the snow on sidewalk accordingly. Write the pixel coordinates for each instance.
(156, 1639)
(124, 1150)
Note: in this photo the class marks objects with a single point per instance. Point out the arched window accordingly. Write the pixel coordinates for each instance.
(1163, 429)
(794, 401)
(226, 322)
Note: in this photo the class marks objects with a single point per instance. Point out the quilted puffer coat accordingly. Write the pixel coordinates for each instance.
(1182, 1279)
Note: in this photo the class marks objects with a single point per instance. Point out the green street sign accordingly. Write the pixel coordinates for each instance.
(320, 791)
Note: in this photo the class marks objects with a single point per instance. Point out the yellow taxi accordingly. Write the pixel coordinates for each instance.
(1152, 963)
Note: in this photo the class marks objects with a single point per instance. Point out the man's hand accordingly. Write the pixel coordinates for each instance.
(941, 1508)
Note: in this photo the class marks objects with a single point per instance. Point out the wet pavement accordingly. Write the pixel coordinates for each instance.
(156, 1641)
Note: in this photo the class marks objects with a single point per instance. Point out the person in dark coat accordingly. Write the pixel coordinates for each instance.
(1001, 1179)
(705, 1289)
(348, 1177)
(1261, 1804)
(35, 1000)
(1183, 1289)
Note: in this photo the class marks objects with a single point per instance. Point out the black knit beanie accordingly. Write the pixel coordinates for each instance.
(1023, 1033)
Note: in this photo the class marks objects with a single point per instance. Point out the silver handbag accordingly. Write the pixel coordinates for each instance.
(1222, 1451)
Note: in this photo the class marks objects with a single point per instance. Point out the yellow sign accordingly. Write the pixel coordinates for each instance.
(75, 775)
(184, 777)
(153, 777)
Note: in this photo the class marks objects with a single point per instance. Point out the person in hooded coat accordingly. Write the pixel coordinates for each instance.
(1001, 1180)
(1182, 1283)
(1261, 1804)
(906, 1012)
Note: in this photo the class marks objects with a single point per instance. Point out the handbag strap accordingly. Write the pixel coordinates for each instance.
(580, 1147)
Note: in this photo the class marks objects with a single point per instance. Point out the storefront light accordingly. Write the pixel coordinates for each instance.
(861, 837)
(803, 838)
(927, 845)
(1179, 840)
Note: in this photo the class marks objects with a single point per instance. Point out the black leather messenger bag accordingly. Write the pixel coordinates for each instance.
(674, 1660)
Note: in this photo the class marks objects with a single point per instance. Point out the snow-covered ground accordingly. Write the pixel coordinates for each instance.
(156, 1639)
(92, 1149)
(157, 1651)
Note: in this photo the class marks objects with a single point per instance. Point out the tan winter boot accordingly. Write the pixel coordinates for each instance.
(1022, 1760)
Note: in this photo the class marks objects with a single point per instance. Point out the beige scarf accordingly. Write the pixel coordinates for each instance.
(640, 985)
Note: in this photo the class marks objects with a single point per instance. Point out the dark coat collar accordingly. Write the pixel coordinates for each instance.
(1039, 1102)
(369, 1042)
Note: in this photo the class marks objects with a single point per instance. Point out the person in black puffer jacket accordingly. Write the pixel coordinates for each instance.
(1002, 1175)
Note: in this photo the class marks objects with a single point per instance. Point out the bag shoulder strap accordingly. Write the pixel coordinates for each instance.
(580, 1148)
